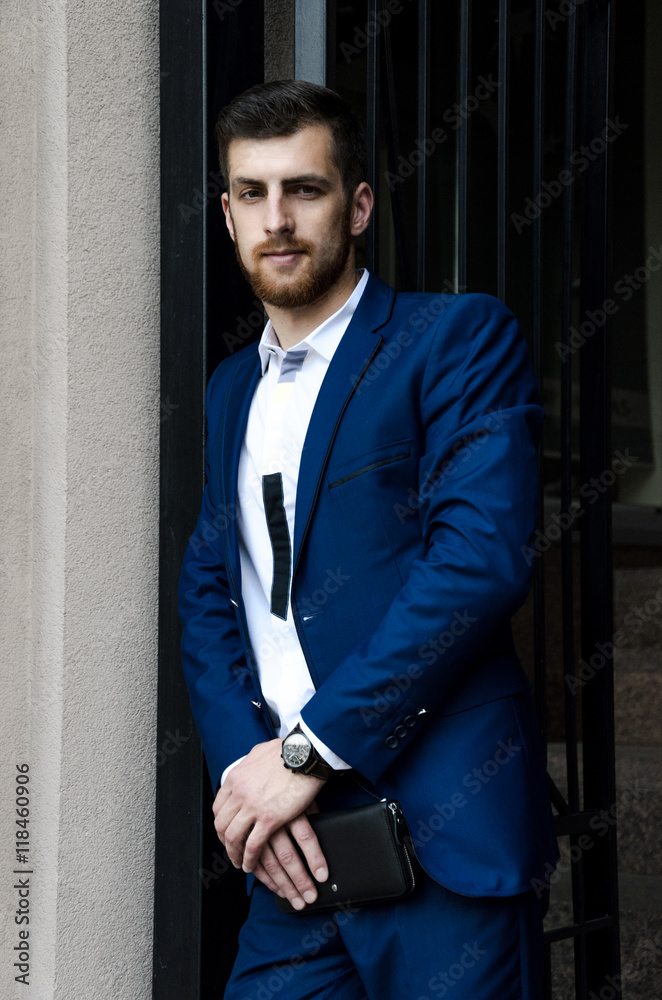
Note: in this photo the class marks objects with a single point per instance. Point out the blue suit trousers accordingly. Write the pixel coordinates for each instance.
(435, 943)
(432, 944)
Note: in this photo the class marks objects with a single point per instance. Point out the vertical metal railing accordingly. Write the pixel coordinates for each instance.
(567, 592)
(503, 44)
(179, 779)
(594, 926)
(393, 147)
(372, 116)
(599, 769)
(187, 964)
(462, 151)
(424, 19)
(539, 632)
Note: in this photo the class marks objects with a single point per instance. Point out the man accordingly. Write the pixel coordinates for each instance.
(371, 480)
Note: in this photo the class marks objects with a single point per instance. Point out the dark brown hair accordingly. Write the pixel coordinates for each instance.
(282, 108)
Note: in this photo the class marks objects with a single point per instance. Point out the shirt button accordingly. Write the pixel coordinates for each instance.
(410, 720)
(400, 731)
(392, 742)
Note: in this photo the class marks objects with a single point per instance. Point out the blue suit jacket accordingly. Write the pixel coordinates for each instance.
(417, 490)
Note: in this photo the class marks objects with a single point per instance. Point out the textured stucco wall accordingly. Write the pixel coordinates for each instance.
(79, 465)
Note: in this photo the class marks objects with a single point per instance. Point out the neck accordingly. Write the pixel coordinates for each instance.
(292, 325)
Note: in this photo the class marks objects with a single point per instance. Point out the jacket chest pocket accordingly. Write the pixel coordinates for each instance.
(377, 458)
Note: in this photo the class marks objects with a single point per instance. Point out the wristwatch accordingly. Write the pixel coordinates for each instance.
(300, 756)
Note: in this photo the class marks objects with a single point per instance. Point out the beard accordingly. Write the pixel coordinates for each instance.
(321, 269)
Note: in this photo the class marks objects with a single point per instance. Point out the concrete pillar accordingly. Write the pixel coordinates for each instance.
(79, 396)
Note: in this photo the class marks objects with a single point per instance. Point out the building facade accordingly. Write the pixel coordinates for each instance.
(514, 149)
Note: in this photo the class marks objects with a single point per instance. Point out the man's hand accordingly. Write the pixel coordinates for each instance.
(257, 811)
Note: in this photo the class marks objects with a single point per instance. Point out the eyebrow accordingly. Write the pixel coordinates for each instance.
(287, 181)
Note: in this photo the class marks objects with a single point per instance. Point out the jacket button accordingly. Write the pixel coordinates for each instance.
(410, 720)
(392, 742)
(400, 731)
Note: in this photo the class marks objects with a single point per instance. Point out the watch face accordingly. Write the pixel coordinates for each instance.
(296, 749)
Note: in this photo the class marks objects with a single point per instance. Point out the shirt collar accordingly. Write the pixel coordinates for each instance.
(324, 339)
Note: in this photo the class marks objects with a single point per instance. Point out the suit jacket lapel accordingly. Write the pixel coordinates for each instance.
(353, 355)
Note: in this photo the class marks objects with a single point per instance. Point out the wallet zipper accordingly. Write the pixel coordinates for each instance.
(396, 820)
(394, 812)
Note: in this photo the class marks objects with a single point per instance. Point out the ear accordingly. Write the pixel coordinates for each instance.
(362, 205)
(225, 202)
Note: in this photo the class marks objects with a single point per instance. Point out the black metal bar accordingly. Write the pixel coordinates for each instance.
(558, 801)
(539, 632)
(463, 140)
(580, 930)
(575, 823)
(423, 133)
(373, 109)
(177, 891)
(502, 148)
(393, 150)
(194, 934)
(569, 666)
(567, 585)
(235, 56)
(600, 864)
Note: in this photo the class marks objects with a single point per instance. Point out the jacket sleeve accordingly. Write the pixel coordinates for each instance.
(478, 495)
(218, 677)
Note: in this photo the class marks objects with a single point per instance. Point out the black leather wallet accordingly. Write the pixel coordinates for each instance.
(368, 850)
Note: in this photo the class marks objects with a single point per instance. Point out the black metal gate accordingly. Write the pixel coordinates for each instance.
(498, 182)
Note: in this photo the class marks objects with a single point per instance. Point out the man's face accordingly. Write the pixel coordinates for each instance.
(288, 215)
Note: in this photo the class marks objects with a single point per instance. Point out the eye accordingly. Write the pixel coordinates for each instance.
(308, 190)
(250, 195)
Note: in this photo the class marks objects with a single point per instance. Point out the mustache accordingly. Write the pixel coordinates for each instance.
(275, 245)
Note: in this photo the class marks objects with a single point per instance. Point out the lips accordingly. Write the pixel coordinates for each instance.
(282, 257)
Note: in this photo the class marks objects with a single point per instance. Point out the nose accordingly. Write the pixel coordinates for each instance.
(278, 219)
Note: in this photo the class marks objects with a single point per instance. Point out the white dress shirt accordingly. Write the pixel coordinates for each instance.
(277, 424)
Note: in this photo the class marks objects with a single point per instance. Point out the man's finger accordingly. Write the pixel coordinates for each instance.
(287, 856)
(305, 836)
(271, 866)
(235, 839)
(261, 872)
(225, 809)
